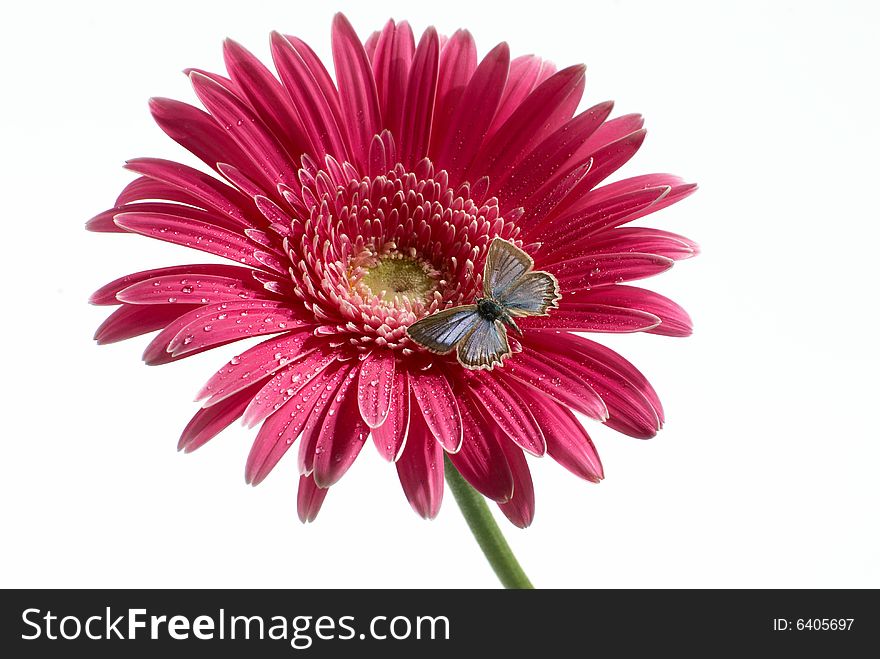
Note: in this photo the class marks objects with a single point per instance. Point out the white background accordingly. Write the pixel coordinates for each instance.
(766, 473)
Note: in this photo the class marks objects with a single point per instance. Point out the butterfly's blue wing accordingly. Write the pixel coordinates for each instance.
(440, 332)
(505, 264)
(532, 295)
(485, 346)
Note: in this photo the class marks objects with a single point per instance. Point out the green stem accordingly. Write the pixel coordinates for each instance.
(488, 535)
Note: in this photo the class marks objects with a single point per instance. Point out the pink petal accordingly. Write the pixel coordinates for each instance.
(680, 190)
(644, 240)
(180, 230)
(196, 131)
(542, 204)
(611, 360)
(632, 184)
(391, 62)
(632, 405)
(375, 387)
(549, 158)
(248, 131)
(193, 288)
(146, 188)
(371, 43)
(220, 80)
(282, 429)
(357, 88)
(472, 117)
(567, 441)
(542, 112)
(421, 89)
(175, 342)
(319, 72)
(561, 381)
(390, 437)
(288, 383)
(248, 186)
(507, 410)
(206, 190)
(604, 269)
(590, 317)
(420, 469)
(129, 321)
(309, 499)
(526, 73)
(481, 460)
(257, 363)
(434, 396)
(208, 422)
(313, 94)
(520, 510)
(674, 321)
(378, 162)
(458, 60)
(107, 293)
(573, 232)
(326, 394)
(606, 161)
(104, 221)
(267, 96)
(342, 435)
(611, 131)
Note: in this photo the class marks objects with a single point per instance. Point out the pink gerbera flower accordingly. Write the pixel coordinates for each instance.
(351, 210)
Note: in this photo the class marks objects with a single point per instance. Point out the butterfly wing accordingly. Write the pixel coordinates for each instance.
(440, 332)
(532, 295)
(505, 264)
(485, 346)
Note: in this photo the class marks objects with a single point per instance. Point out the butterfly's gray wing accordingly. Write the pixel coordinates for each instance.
(440, 332)
(532, 295)
(505, 264)
(485, 346)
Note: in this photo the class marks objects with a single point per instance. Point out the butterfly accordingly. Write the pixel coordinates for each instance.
(478, 331)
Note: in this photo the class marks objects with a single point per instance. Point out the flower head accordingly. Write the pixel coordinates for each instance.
(352, 209)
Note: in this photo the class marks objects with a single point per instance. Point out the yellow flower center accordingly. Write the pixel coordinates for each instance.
(394, 279)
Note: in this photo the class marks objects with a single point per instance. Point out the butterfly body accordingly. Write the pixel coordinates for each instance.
(477, 332)
(491, 310)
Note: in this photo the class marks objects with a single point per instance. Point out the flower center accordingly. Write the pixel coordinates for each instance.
(371, 255)
(398, 279)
